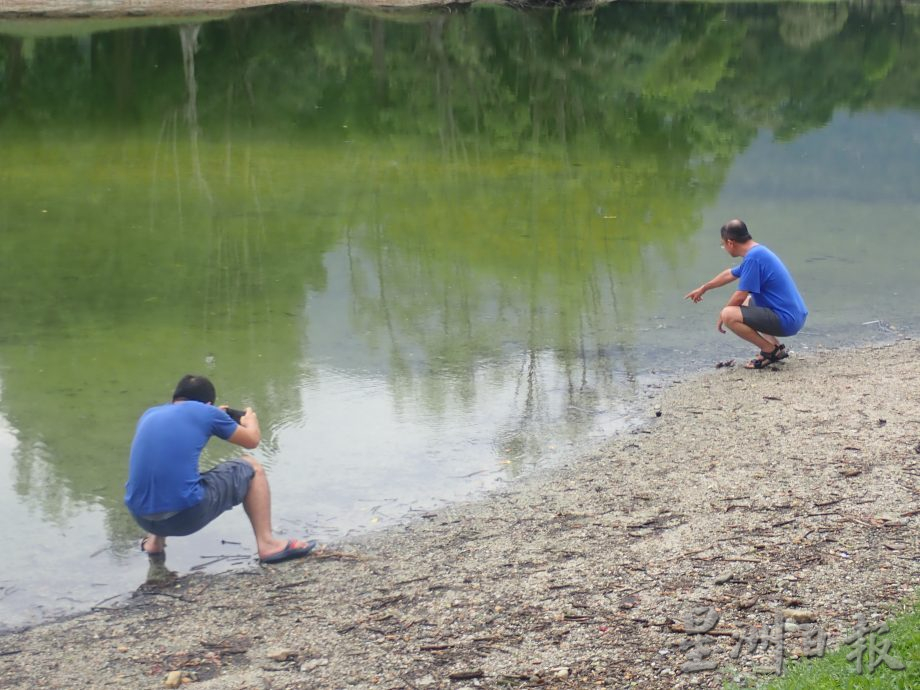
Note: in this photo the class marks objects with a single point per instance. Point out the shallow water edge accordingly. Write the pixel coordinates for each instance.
(581, 575)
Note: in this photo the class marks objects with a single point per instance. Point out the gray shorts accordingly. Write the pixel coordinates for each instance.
(224, 486)
(762, 320)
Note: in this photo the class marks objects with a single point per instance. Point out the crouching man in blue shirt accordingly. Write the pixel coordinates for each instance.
(767, 304)
(166, 494)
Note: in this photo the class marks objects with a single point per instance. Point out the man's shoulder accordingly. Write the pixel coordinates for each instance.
(155, 411)
(761, 253)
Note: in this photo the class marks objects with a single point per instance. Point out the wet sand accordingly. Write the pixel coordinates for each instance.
(793, 490)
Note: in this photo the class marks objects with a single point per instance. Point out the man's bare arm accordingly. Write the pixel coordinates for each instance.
(738, 298)
(247, 434)
(724, 278)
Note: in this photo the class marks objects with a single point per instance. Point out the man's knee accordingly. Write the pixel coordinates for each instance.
(732, 315)
(252, 462)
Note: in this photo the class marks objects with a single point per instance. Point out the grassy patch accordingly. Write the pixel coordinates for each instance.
(834, 671)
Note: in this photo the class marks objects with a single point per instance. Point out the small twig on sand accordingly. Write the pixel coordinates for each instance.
(784, 522)
(718, 632)
(340, 555)
(466, 675)
(214, 559)
(100, 607)
(298, 583)
(180, 597)
(415, 579)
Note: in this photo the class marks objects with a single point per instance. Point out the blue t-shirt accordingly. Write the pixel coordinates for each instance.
(163, 471)
(763, 275)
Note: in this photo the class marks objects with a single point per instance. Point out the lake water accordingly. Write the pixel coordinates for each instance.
(434, 250)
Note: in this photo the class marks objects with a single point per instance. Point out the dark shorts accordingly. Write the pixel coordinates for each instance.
(224, 486)
(762, 320)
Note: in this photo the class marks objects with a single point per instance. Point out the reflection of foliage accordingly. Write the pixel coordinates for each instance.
(803, 25)
(687, 69)
(126, 277)
(881, 56)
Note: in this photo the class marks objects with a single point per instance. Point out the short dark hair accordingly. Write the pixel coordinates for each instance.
(192, 387)
(736, 231)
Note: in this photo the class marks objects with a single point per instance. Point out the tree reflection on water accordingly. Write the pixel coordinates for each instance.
(498, 181)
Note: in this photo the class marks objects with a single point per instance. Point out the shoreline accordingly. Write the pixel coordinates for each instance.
(793, 490)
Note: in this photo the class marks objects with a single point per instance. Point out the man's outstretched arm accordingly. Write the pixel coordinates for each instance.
(247, 434)
(724, 278)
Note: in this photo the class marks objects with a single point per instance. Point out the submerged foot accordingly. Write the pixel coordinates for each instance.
(157, 572)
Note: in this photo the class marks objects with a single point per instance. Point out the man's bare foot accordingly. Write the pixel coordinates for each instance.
(273, 545)
(293, 548)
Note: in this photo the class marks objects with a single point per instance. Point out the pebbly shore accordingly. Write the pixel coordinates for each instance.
(793, 491)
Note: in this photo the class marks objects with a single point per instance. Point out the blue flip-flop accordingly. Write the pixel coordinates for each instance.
(290, 552)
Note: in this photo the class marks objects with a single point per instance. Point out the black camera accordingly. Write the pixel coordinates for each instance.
(235, 415)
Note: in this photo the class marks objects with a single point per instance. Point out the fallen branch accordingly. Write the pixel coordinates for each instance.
(717, 632)
(466, 675)
(830, 503)
(415, 579)
(288, 585)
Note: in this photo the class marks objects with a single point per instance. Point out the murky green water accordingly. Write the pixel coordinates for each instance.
(432, 249)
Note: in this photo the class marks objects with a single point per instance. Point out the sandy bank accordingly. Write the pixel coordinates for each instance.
(753, 492)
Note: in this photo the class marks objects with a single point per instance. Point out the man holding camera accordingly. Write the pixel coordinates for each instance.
(169, 497)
